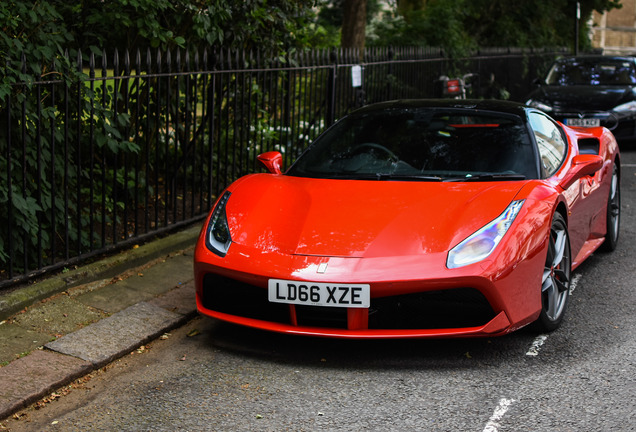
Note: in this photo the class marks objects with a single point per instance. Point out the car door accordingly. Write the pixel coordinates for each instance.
(553, 148)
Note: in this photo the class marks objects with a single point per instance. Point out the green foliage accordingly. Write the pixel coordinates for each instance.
(132, 24)
(277, 25)
(531, 23)
(119, 23)
(438, 24)
(34, 147)
(32, 29)
(30, 43)
(459, 26)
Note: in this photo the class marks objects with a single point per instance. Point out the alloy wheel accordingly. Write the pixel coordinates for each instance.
(555, 286)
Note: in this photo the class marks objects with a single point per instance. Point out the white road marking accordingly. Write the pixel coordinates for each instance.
(493, 422)
(574, 283)
(536, 345)
(628, 165)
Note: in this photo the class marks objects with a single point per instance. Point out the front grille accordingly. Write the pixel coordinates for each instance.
(319, 316)
(232, 297)
(453, 308)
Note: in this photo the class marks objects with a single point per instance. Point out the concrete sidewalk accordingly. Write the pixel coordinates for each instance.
(84, 319)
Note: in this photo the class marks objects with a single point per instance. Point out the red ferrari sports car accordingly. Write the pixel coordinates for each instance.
(411, 219)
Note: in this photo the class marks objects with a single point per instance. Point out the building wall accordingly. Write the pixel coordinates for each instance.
(614, 32)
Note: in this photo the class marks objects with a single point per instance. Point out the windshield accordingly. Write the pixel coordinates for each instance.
(422, 144)
(592, 72)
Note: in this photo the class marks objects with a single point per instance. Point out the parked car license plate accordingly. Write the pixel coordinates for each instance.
(319, 293)
(585, 122)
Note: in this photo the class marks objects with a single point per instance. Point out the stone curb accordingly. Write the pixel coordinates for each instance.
(25, 381)
(152, 312)
(120, 333)
(29, 379)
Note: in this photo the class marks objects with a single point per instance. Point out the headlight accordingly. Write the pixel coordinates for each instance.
(539, 105)
(217, 237)
(626, 107)
(481, 244)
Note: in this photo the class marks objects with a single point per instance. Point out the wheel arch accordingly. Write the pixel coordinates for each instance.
(561, 208)
(617, 162)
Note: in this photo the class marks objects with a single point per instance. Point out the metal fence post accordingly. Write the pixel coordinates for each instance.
(331, 90)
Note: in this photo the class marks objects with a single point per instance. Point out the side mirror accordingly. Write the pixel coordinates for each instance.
(272, 161)
(582, 165)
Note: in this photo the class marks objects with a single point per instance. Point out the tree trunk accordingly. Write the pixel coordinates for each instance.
(354, 24)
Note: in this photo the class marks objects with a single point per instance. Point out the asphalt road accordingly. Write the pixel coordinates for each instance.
(211, 376)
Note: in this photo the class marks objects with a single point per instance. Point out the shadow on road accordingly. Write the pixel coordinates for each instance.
(367, 354)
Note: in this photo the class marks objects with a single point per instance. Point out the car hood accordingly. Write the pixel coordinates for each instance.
(355, 218)
(579, 97)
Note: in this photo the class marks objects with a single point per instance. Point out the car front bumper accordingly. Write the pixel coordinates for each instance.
(483, 299)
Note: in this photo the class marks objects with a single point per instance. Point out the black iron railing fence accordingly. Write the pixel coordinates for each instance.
(143, 144)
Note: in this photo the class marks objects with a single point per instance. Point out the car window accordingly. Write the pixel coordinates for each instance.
(592, 72)
(550, 142)
(432, 143)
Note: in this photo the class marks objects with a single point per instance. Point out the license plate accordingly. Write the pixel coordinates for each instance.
(319, 293)
(585, 122)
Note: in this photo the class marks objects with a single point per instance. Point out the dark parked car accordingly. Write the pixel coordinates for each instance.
(591, 91)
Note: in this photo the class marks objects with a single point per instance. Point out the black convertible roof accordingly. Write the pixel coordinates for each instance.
(506, 107)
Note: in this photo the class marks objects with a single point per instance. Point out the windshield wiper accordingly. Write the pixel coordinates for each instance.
(386, 176)
(486, 177)
(408, 177)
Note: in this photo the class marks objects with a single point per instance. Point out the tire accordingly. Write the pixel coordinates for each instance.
(555, 286)
(613, 213)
